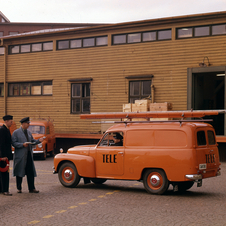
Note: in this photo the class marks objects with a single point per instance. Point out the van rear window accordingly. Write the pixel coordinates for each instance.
(201, 138)
(211, 137)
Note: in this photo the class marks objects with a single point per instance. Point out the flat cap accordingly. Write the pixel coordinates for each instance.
(26, 119)
(7, 117)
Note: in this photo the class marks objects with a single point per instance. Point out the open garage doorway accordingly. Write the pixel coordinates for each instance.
(206, 91)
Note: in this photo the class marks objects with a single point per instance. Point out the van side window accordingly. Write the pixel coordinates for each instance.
(211, 137)
(201, 138)
(112, 139)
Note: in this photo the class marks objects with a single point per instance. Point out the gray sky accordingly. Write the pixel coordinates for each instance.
(103, 11)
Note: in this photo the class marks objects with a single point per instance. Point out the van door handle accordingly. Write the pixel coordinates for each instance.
(121, 153)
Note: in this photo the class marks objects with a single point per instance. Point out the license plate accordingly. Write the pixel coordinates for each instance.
(202, 166)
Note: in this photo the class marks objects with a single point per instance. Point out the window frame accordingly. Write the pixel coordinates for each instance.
(211, 26)
(142, 37)
(140, 96)
(29, 44)
(19, 91)
(82, 42)
(81, 98)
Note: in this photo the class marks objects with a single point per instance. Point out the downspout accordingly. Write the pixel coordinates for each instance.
(5, 75)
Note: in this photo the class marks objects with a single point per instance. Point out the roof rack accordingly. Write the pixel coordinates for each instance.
(153, 114)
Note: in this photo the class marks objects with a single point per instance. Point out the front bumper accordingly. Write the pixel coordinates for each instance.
(38, 152)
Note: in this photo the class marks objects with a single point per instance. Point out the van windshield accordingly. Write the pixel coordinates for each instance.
(36, 129)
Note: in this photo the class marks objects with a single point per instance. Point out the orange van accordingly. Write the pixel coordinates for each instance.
(155, 153)
(43, 129)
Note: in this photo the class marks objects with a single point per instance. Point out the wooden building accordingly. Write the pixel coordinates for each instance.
(63, 74)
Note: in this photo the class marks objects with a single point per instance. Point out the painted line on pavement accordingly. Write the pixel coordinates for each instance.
(73, 207)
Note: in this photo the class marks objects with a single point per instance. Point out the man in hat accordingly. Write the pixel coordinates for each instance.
(5, 153)
(23, 156)
(118, 139)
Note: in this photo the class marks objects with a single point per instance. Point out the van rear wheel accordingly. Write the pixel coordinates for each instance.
(155, 181)
(98, 180)
(183, 186)
(68, 175)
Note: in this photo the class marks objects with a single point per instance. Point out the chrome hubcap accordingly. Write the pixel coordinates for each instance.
(155, 180)
(68, 174)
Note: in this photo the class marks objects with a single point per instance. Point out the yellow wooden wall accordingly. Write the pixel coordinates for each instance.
(108, 66)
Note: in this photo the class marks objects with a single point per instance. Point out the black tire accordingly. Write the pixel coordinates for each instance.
(51, 153)
(183, 186)
(68, 175)
(155, 181)
(98, 180)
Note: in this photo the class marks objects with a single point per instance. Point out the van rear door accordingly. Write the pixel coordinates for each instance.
(207, 152)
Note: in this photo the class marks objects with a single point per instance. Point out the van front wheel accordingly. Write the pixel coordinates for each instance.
(68, 175)
(155, 181)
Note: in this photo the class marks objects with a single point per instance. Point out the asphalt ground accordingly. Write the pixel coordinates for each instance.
(113, 203)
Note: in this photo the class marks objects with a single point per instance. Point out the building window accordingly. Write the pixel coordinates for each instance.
(202, 31)
(139, 90)
(2, 50)
(219, 29)
(164, 35)
(80, 98)
(47, 46)
(184, 33)
(13, 32)
(33, 47)
(30, 89)
(132, 38)
(36, 47)
(88, 42)
(63, 44)
(76, 43)
(14, 49)
(141, 37)
(1, 33)
(25, 48)
(83, 42)
(149, 36)
(119, 39)
(1, 90)
(102, 41)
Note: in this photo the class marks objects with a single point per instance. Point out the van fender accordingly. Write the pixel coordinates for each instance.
(85, 165)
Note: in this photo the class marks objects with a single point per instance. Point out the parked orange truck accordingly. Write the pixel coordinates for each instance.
(158, 154)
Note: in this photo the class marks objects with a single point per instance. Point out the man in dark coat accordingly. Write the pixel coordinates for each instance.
(5, 153)
(23, 164)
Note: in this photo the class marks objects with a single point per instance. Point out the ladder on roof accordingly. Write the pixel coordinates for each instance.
(154, 114)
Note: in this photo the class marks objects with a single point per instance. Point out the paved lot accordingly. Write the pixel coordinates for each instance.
(113, 203)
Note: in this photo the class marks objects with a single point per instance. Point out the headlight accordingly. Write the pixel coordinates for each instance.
(40, 145)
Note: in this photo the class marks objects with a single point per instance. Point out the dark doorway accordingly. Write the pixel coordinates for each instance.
(208, 94)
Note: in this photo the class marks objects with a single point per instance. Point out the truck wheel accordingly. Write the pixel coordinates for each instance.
(155, 181)
(183, 186)
(98, 180)
(68, 175)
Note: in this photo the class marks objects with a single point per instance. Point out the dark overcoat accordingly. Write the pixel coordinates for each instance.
(5, 143)
(21, 152)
